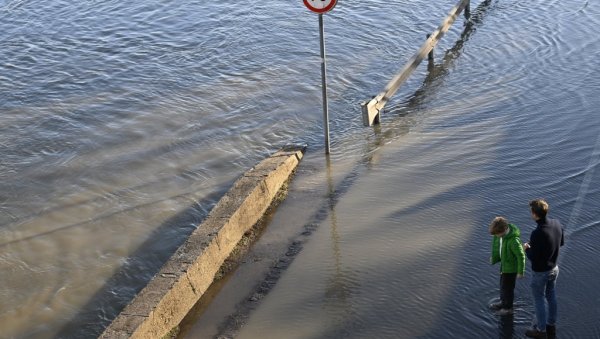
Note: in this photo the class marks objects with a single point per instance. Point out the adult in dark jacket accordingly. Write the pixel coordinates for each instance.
(543, 250)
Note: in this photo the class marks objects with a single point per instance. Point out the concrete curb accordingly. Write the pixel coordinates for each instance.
(180, 283)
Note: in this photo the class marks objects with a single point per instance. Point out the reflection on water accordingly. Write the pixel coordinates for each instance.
(338, 293)
(123, 123)
(403, 250)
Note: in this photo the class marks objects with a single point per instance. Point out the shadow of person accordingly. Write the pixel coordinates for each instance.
(506, 326)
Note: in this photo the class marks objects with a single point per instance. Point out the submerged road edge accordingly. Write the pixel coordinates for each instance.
(174, 290)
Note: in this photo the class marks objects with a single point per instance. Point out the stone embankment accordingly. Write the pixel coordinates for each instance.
(175, 289)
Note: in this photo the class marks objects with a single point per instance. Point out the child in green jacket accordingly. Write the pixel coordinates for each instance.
(506, 249)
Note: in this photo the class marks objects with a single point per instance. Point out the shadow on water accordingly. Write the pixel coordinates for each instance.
(338, 291)
(437, 71)
(506, 327)
(132, 276)
(203, 208)
(139, 269)
(184, 145)
(455, 314)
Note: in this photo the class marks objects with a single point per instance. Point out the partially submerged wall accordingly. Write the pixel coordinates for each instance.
(180, 283)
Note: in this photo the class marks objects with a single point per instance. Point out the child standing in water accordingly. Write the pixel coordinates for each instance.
(506, 249)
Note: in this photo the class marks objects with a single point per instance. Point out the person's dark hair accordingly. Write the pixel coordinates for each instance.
(539, 207)
(498, 225)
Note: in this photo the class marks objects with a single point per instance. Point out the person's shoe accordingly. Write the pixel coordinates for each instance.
(496, 306)
(504, 311)
(551, 331)
(535, 333)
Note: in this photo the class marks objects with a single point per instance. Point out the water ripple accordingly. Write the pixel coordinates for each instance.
(116, 117)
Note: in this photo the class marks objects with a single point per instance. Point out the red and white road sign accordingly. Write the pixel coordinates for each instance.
(320, 6)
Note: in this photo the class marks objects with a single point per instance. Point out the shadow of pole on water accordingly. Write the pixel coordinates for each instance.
(450, 316)
(393, 129)
(396, 128)
(132, 276)
(338, 289)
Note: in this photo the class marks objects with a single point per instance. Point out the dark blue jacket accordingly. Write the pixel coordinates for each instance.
(545, 243)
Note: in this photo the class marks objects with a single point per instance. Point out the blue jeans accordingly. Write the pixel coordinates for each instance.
(542, 287)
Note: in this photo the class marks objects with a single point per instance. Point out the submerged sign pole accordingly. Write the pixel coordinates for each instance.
(324, 84)
(320, 7)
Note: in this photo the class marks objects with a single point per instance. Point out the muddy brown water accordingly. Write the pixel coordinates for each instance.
(123, 123)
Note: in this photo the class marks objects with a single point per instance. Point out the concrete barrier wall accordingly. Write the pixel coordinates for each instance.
(176, 288)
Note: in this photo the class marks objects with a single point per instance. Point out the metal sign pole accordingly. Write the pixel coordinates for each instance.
(321, 7)
(324, 84)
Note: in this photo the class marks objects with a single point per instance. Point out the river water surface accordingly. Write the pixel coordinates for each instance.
(122, 123)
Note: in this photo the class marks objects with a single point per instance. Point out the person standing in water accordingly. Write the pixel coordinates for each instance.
(508, 251)
(542, 250)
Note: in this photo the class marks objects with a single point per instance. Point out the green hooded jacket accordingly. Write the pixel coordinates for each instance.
(513, 256)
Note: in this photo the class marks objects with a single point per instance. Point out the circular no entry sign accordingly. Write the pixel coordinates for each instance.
(320, 6)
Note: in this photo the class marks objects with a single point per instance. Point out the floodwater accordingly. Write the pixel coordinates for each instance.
(122, 123)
